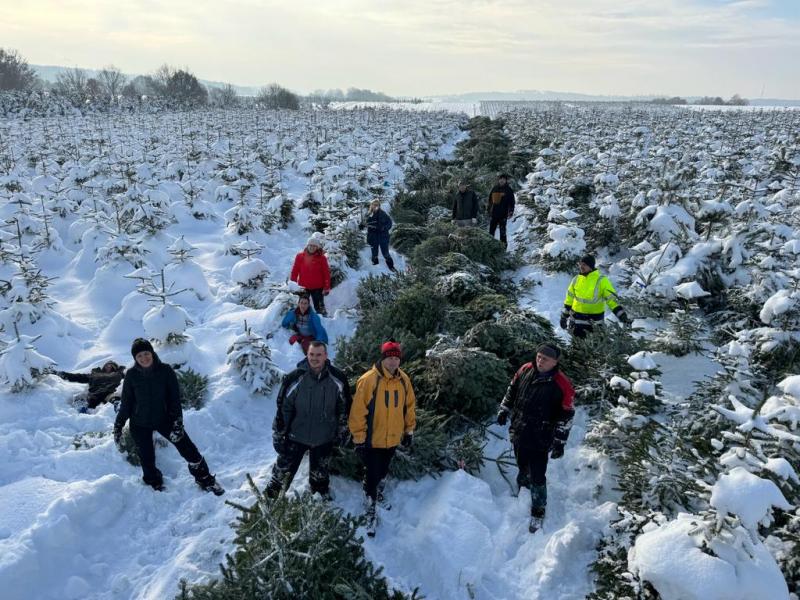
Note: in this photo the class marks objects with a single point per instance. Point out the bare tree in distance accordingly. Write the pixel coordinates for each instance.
(161, 77)
(224, 96)
(15, 73)
(184, 87)
(274, 96)
(72, 83)
(111, 81)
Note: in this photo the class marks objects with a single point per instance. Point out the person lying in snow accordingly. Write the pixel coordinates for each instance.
(103, 383)
(151, 400)
(306, 324)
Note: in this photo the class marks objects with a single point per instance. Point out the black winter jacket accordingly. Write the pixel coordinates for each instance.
(465, 205)
(311, 408)
(501, 201)
(540, 405)
(101, 384)
(378, 226)
(150, 397)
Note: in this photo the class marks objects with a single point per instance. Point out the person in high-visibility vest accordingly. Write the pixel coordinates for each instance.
(587, 296)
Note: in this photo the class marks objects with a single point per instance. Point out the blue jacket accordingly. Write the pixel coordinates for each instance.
(320, 334)
(378, 226)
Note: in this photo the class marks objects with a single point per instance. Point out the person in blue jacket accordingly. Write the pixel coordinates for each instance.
(378, 226)
(306, 324)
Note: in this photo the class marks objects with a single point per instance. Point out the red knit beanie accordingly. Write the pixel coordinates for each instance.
(391, 348)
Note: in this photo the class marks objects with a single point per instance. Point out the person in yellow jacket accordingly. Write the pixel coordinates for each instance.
(382, 417)
(587, 296)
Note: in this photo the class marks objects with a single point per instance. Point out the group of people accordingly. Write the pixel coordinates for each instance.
(315, 413)
(499, 207)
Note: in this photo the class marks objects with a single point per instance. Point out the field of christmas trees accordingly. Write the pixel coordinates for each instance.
(680, 474)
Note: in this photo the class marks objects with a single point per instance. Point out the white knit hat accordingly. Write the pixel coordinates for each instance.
(315, 240)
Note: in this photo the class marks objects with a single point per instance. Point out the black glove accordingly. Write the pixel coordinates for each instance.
(564, 320)
(342, 436)
(623, 316)
(502, 417)
(407, 441)
(557, 451)
(176, 432)
(361, 450)
(279, 442)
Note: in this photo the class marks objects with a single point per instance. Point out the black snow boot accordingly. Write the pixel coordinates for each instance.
(205, 479)
(371, 517)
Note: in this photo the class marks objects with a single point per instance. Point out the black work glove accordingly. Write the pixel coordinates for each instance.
(407, 441)
(623, 317)
(279, 442)
(564, 320)
(557, 451)
(502, 417)
(342, 436)
(361, 450)
(176, 432)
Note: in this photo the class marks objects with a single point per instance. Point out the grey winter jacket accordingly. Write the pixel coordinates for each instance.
(311, 408)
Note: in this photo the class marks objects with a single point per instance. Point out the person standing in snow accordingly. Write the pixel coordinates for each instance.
(587, 295)
(103, 382)
(151, 400)
(465, 206)
(383, 416)
(311, 271)
(378, 226)
(306, 324)
(501, 207)
(311, 417)
(539, 402)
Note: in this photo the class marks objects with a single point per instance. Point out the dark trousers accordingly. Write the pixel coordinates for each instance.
(383, 244)
(143, 437)
(319, 458)
(318, 298)
(532, 465)
(502, 221)
(376, 461)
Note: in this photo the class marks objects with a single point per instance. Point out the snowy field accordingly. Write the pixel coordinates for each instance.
(89, 200)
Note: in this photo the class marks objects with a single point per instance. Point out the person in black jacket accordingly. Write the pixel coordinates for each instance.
(501, 207)
(151, 400)
(378, 226)
(465, 206)
(103, 382)
(540, 404)
(311, 417)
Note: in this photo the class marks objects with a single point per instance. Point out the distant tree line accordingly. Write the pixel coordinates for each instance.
(736, 100)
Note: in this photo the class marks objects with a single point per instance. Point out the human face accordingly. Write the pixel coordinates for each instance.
(502, 180)
(584, 268)
(108, 367)
(144, 359)
(545, 363)
(391, 364)
(303, 305)
(312, 248)
(462, 187)
(317, 355)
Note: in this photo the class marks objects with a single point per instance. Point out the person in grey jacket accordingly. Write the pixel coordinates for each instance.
(465, 206)
(311, 417)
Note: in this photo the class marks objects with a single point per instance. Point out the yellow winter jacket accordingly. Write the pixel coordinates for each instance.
(383, 408)
(588, 294)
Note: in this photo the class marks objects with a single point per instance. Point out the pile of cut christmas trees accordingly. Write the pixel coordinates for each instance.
(455, 313)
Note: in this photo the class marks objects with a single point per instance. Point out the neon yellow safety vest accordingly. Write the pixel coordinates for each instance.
(588, 294)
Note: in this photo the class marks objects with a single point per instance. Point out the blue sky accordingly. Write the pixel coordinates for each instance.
(422, 47)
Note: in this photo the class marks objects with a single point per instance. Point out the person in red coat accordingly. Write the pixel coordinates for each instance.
(311, 271)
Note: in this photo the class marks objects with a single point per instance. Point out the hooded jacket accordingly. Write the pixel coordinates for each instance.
(465, 205)
(540, 405)
(501, 201)
(101, 384)
(384, 408)
(311, 271)
(311, 407)
(290, 322)
(150, 397)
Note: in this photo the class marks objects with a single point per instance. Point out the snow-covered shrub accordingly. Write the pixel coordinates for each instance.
(460, 287)
(375, 291)
(21, 366)
(486, 307)
(250, 355)
(513, 336)
(194, 388)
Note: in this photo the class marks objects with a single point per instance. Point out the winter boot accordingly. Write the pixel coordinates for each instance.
(374, 260)
(371, 517)
(157, 483)
(211, 485)
(538, 504)
(381, 499)
(204, 479)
